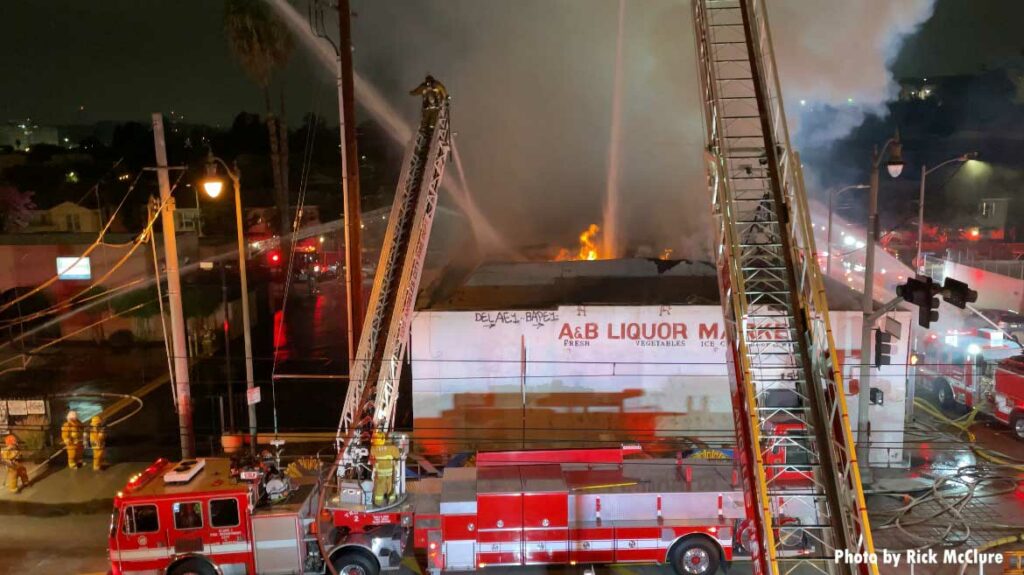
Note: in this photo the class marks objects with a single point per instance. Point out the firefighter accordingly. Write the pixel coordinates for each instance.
(71, 435)
(98, 442)
(384, 454)
(434, 93)
(17, 477)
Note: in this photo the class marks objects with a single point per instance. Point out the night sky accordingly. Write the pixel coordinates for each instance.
(122, 59)
(532, 82)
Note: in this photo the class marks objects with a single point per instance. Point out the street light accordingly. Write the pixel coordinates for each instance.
(213, 185)
(895, 167)
(831, 197)
(918, 264)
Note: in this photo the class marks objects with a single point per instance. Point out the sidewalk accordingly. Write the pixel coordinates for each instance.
(67, 491)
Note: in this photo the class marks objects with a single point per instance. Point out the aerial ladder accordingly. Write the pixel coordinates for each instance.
(770, 283)
(370, 401)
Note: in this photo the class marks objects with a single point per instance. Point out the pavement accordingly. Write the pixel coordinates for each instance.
(59, 523)
(64, 491)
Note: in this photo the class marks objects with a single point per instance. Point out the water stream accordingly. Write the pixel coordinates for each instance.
(396, 127)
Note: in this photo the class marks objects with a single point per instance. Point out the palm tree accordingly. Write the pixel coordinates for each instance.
(262, 45)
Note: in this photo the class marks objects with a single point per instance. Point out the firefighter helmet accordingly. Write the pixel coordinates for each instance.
(379, 438)
(10, 440)
(96, 421)
(72, 415)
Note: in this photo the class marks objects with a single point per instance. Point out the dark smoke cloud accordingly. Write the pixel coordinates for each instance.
(532, 85)
(834, 57)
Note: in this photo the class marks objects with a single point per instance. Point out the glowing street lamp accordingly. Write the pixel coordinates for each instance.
(213, 187)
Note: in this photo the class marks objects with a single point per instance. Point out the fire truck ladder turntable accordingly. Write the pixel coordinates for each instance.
(770, 283)
(373, 386)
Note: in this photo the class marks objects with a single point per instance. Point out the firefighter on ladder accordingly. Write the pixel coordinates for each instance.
(71, 435)
(434, 93)
(17, 477)
(384, 454)
(98, 442)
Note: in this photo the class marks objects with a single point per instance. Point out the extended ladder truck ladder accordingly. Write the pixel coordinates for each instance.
(770, 284)
(373, 383)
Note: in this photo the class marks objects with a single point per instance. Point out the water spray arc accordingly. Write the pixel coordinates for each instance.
(319, 44)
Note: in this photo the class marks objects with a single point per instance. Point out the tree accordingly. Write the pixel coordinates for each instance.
(262, 45)
(15, 208)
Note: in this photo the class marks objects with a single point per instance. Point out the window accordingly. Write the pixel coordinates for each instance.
(141, 519)
(224, 513)
(188, 515)
(72, 223)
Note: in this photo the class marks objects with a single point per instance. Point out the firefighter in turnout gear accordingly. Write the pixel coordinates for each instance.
(71, 435)
(434, 93)
(17, 477)
(98, 442)
(384, 454)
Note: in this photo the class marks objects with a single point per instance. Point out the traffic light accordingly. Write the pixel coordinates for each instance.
(921, 292)
(883, 348)
(925, 316)
(957, 293)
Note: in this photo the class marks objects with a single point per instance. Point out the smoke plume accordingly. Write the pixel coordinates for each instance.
(533, 84)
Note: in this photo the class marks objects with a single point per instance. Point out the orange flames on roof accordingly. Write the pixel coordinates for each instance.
(588, 249)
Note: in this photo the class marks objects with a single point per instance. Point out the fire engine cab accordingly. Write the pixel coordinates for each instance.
(202, 517)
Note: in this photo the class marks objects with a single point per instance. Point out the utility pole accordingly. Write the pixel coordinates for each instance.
(895, 167)
(350, 182)
(178, 345)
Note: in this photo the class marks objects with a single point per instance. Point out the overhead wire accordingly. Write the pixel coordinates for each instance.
(7, 305)
(138, 241)
(307, 162)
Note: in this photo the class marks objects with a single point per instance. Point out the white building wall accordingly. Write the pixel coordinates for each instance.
(601, 373)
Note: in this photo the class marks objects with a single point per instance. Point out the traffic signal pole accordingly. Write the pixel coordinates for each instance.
(178, 342)
(867, 323)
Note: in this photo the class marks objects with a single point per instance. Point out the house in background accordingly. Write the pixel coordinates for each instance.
(64, 217)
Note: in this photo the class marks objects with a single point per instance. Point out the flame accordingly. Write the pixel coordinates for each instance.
(666, 254)
(588, 249)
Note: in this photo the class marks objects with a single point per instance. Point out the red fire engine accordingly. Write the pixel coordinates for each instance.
(1007, 398)
(974, 368)
(557, 507)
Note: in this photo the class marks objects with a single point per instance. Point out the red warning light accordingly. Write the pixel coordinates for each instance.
(275, 257)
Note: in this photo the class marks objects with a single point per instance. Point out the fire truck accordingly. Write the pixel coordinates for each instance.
(974, 368)
(551, 507)
(794, 500)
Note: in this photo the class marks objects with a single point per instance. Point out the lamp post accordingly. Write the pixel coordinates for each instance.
(213, 186)
(895, 167)
(918, 264)
(831, 197)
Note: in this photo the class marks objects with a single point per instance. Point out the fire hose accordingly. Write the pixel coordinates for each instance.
(997, 473)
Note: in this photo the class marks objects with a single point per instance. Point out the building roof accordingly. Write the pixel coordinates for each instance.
(547, 285)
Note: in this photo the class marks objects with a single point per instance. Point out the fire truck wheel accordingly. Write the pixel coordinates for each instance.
(193, 567)
(354, 563)
(695, 556)
(1018, 426)
(944, 394)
